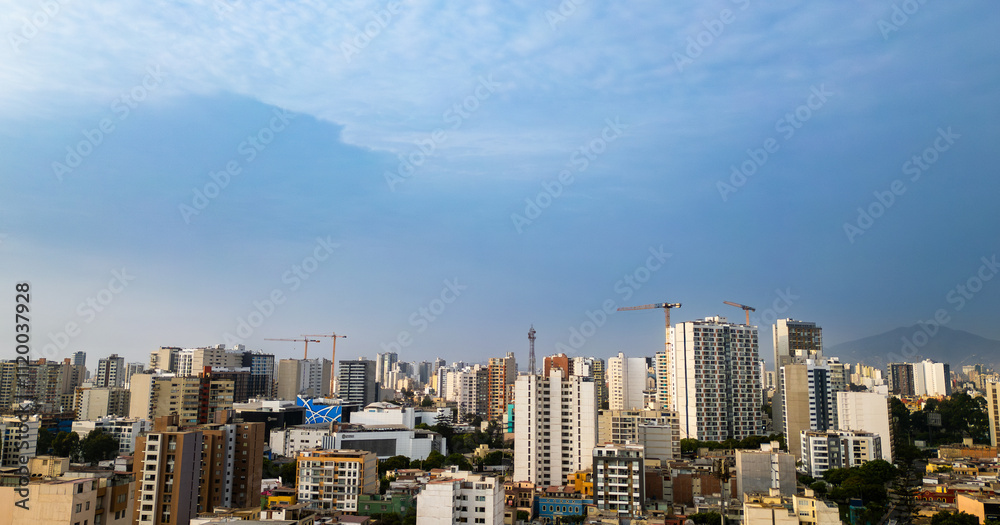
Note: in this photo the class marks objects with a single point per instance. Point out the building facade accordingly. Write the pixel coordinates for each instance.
(357, 382)
(461, 497)
(626, 382)
(759, 471)
(555, 427)
(620, 479)
(333, 480)
(794, 341)
(822, 451)
(502, 371)
(110, 372)
(167, 469)
(717, 380)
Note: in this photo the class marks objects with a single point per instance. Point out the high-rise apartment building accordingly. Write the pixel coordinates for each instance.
(130, 370)
(304, 377)
(473, 390)
(809, 399)
(502, 373)
(901, 380)
(384, 364)
(50, 384)
(620, 479)
(357, 383)
(992, 387)
(262, 374)
(626, 382)
(555, 427)
(193, 399)
(110, 372)
(331, 481)
(664, 388)
(867, 411)
(97, 403)
(164, 358)
(232, 463)
(167, 469)
(931, 379)
(717, 379)
(17, 439)
(794, 341)
(657, 431)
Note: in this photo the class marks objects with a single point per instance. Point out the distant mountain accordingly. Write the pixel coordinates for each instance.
(955, 347)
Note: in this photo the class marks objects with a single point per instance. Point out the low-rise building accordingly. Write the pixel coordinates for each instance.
(558, 502)
(60, 501)
(824, 450)
(774, 509)
(124, 430)
(982, 507)
(389, 504)
(461, 497)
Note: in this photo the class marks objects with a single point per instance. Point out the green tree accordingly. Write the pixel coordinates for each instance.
(708, 518)
(879, 470)
(427, 402)
(819, 487)
(522, 515)
(494, 458)
(434, 460)
(954, 518)
(287, 472)
(98, 446)
(458, 459)
(44, 445)
(66, 445)
(393, 463)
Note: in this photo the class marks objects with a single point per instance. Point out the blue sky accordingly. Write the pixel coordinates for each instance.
(442, 176)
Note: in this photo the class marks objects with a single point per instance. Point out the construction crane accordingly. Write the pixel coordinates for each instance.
(745, 308)
(333, 356)
(669, 355)
(307, 341)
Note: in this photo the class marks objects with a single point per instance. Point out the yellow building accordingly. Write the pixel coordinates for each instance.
(69, 501)
(47, 466)
(282, 497)
(583, 482)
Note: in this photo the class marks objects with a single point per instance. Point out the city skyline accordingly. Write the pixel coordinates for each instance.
(459, 173)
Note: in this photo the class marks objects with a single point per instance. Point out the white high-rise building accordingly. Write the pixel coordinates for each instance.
(931, 379)
(868, 411)
(626, 382)
(383, 365)
(717, 379)
(555, 427)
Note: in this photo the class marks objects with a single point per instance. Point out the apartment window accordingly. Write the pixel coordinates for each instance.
(79, 507)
